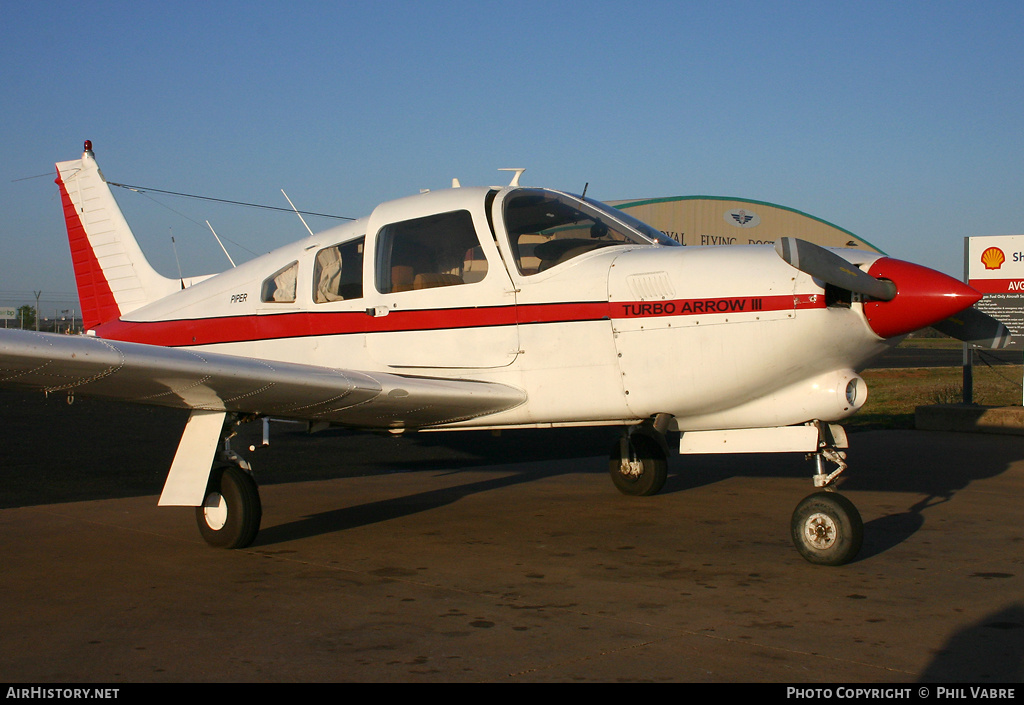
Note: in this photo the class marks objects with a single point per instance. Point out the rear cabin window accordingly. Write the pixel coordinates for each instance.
(338, 272)
(423, 253)
(279, 287)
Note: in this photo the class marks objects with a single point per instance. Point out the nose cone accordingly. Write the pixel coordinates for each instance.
(923, 297)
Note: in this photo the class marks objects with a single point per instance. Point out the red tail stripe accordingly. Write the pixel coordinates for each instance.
(94, 295)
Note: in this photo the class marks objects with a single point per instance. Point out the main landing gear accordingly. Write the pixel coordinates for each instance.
(638, 462)
(826, 527)
(638, 465)
(231, 511)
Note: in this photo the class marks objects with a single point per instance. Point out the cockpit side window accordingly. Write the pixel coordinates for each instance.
(423, 253)
(546, 228)
(279, 287)
(338, 272)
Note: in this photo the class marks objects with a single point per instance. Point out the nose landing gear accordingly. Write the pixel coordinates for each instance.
(827, 529)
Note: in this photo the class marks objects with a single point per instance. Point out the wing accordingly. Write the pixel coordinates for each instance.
(191, 379)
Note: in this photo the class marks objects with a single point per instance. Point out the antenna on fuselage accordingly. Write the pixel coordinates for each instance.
(515, 178)
(297, 212)
(220, 243)
(174, 246)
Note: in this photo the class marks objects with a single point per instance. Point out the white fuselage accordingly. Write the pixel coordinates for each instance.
(715, 337)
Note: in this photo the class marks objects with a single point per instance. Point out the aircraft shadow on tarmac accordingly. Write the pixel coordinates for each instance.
(55, 452)
(989, 651)
(384, 510)
(880, 461)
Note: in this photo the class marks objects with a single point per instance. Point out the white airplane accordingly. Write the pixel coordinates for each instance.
(490, 308)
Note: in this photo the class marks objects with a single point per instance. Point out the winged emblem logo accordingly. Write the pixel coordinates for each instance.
(742, 218)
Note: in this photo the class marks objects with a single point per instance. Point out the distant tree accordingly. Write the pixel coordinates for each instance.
(27, 317)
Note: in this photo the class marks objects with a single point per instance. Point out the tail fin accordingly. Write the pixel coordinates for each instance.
(112, 274)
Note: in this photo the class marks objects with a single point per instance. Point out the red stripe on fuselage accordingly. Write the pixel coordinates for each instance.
(731, 304)
(297, 324)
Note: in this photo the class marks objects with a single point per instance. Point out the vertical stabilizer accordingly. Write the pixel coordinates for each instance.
(112, 274)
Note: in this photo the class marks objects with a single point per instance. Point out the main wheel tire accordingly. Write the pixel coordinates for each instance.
(643, 470)
(827, 529)
(231, 512)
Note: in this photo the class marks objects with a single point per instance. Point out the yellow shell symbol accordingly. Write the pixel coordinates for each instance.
(993, 258)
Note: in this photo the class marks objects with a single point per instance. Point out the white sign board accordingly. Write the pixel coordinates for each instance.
(995, 267)
(8, 314)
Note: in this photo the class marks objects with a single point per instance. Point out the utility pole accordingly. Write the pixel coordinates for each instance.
(37, 293)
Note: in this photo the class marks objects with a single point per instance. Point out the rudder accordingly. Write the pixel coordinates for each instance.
(112, 275)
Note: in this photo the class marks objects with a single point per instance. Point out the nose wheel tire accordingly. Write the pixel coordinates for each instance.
(231, 513)
(827, 529)
(638, 465)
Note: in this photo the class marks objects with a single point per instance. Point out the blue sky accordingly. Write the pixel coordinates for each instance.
(899, 121)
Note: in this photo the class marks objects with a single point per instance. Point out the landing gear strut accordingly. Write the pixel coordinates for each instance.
(231, 511)
(638, 463)
(826, 527)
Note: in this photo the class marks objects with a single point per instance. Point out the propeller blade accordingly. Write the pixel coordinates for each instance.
(975, 328)
(832, 269)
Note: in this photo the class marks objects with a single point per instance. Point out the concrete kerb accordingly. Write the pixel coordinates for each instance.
(970, 418)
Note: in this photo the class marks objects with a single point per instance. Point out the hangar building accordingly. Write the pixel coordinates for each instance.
(713, 220)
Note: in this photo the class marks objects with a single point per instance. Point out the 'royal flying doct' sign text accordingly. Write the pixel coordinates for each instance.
(995, 267)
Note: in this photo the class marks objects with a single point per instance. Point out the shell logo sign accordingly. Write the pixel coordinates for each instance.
(993, 258)
(995, 268)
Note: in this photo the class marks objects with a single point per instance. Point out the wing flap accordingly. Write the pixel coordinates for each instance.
(194, 379)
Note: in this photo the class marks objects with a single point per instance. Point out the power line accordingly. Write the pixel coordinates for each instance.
(146, 189)
(45, 298)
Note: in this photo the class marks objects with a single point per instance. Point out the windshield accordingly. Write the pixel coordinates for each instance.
(634, 222)
(546, 228)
